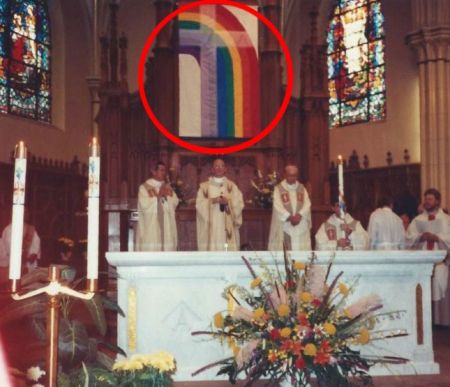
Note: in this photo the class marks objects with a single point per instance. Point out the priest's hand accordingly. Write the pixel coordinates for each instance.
(220, 200)
(343, 242)
(165, 191)
(429, 237)
(347, 229)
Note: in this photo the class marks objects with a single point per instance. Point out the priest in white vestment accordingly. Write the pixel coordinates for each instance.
(219, 206)
(291, 214)
(338, 233)
(430, 230)
(156, 229)
(386, 230)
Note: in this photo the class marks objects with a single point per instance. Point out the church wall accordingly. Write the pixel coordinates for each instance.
(137, 19)
(401, 128)
(69, 132)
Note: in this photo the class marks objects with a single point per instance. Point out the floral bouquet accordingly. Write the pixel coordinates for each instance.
(178, 186)
(264, 186)
(151, 370)
(294, 325)
(65, 244)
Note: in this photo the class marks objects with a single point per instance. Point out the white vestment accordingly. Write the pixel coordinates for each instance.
(31, 245)
(386, 230)
(216, 229)
(290, 199)
(439, 226)
(157, 229)
(332, 230)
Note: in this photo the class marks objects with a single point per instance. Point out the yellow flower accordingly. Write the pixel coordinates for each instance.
(283, 310)
(218, 320)
(128, 365)
(299, 265)
(306, 297)
(347, 313)
(255, 283)
(258, 313)
(285, 332)
(343, 288)
(329, 328)
(364, 336)
(236, 350)
(310, 350)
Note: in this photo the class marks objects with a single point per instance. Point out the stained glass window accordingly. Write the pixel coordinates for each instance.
(356, 80)
(25, 59)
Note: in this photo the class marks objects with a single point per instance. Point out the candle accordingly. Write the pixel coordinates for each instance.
(226, 246)
(20, 170)
(93, 209)
(341, 187)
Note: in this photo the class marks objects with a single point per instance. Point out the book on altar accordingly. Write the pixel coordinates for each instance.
(433, 226)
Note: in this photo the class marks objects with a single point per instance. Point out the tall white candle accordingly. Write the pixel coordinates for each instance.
(20, 172)
(93, 209)
(341, 187)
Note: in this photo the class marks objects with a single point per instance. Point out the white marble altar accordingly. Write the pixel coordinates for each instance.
(167, 295)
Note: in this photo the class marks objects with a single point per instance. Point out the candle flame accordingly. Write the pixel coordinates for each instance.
(21, 150)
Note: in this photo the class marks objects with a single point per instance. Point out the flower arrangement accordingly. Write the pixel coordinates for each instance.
(151, 370)
(264, 186)
(65, 244)
(294, 325)
(178, 186)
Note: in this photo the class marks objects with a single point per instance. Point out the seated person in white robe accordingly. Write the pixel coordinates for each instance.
(219, 206)
(430, 230)
(31, 244)
(291, 214)
(157, 229)
(338, 233)
(386, 230)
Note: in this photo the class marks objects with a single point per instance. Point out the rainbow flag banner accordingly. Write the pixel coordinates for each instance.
(218, 73)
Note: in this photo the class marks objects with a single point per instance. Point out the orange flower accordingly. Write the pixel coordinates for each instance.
(285, 332)
(322, 358)
(297, 347)
(364, 336)
(218, 320)
(306, 297)
(272, 356)
(343, 288)
(299, 265)
(310, 350)
(258, 313)
(283, 310)
(255, 283)
(286, 345)
(329, 328)
(303, 319)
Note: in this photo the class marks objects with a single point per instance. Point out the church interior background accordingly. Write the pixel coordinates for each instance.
(78, 77)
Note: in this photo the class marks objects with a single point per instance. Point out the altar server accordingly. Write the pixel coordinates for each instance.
(430, 230)
(341, 233)
(291, 214)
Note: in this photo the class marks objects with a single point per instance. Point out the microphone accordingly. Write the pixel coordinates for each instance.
(222, 206)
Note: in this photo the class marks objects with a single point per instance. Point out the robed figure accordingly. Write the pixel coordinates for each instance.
(219, 208)
(157, 229)
(291, 214)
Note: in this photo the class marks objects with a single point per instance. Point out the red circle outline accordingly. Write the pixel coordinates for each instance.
(232, 148)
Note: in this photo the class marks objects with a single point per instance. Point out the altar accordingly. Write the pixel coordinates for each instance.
(168, 295)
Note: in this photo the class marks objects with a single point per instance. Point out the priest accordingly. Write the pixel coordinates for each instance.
(341, 232)
(291, 214)
(219, 208)
(430, 230)
(156, 229)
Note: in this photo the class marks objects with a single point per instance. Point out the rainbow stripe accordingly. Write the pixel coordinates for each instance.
(229, 71)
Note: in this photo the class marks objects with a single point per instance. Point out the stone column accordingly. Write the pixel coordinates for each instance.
(431, 42)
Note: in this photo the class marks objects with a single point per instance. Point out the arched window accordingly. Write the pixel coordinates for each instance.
(25, 59)
(356, 63)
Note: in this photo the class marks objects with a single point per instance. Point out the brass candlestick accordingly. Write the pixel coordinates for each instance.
(54, 290)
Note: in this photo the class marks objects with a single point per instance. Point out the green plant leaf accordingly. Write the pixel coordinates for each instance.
(73, 342)
(95, 307)
(38, 327)
(40, 274)
(113, 348)
(24, 308)
(109, 304)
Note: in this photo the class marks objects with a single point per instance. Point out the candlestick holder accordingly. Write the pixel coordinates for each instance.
(54, 289)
